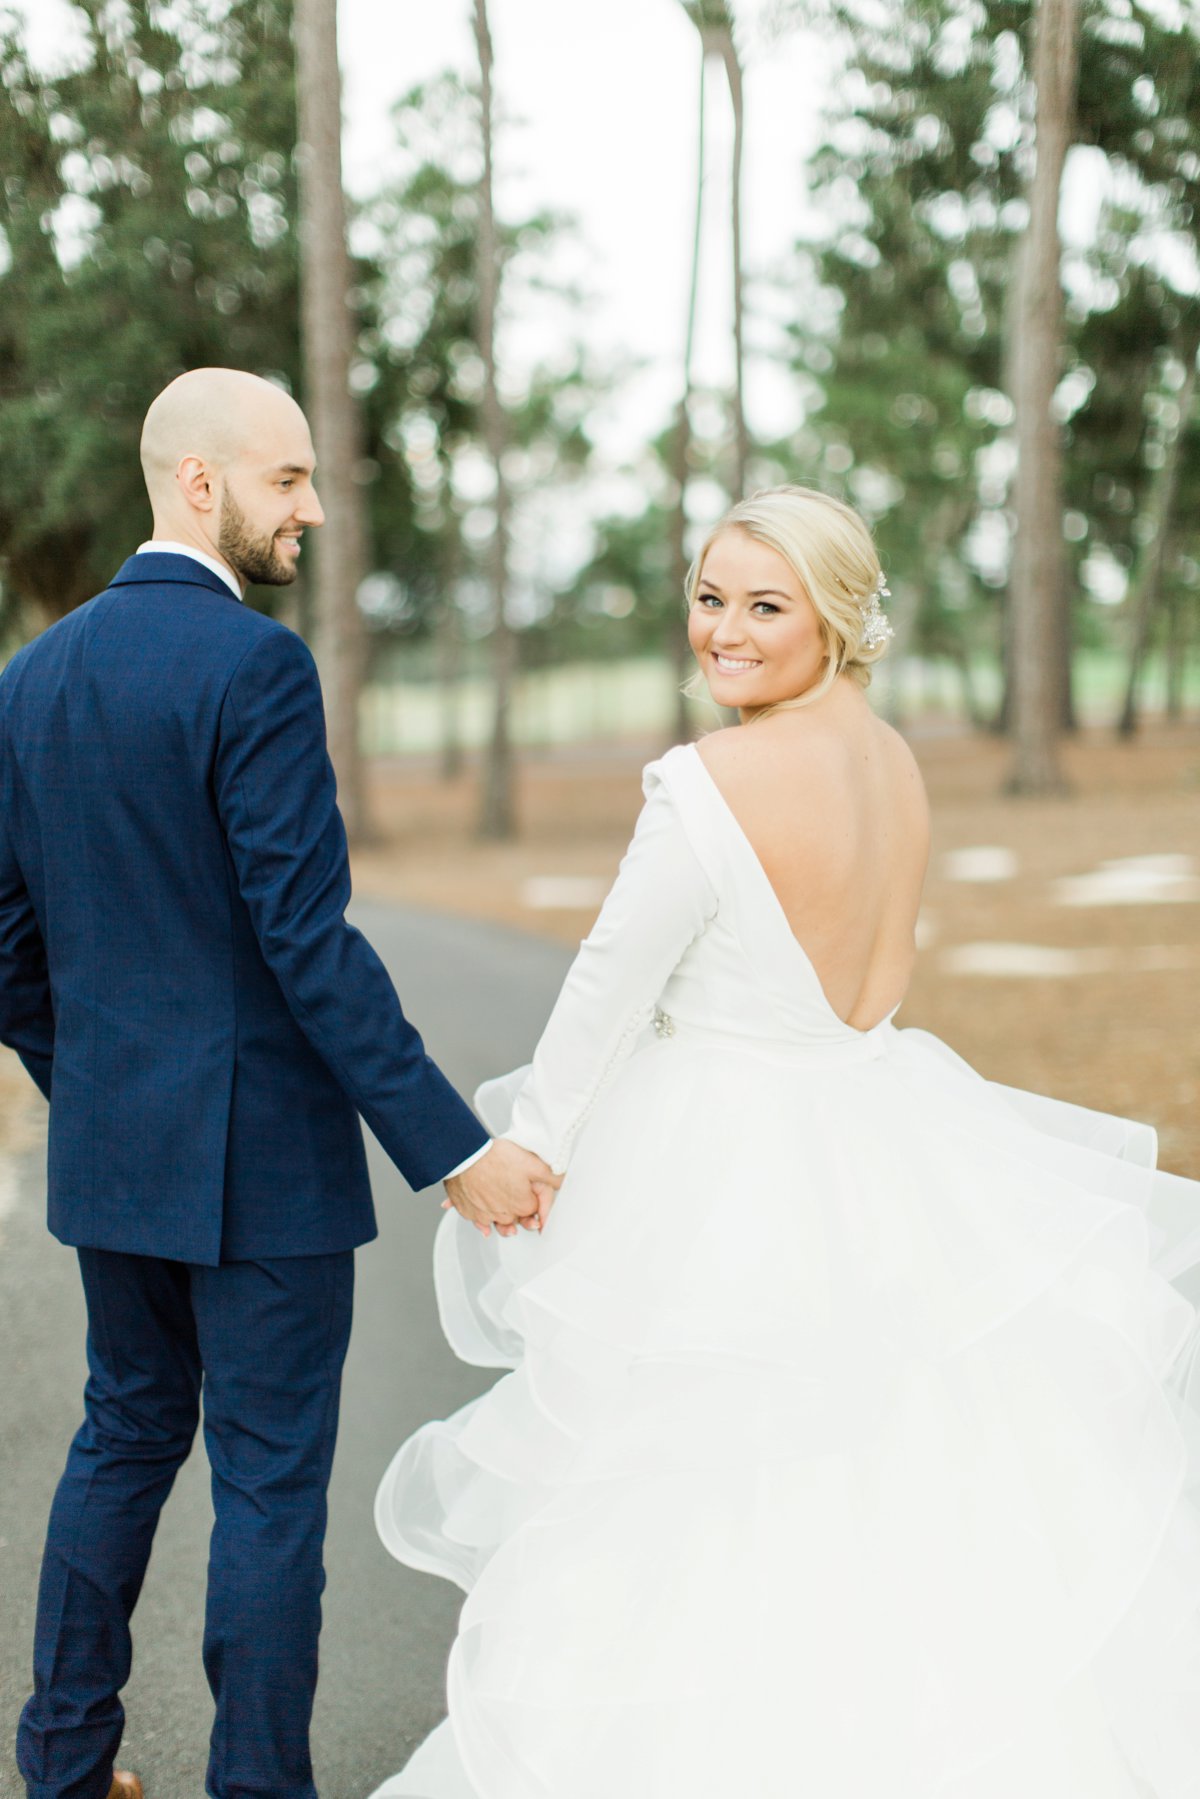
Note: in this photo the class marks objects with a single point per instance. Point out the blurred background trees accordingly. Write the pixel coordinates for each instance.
(149, 215)
(148, 210)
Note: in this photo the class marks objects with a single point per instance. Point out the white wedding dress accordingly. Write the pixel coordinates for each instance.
(846, 1451)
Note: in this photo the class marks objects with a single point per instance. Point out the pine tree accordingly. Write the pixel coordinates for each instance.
(147, 213)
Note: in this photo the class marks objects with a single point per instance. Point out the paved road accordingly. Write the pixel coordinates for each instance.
(480, 995)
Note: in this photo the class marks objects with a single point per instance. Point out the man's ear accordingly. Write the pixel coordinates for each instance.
(196, 483)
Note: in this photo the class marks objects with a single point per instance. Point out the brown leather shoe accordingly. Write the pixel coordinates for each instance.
(125, 1786)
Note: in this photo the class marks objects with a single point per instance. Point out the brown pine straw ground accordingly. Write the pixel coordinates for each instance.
(1124, 1038)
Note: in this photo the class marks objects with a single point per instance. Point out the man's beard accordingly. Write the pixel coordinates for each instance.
(249, 553)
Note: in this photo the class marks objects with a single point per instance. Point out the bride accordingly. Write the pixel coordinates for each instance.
(844, 1451)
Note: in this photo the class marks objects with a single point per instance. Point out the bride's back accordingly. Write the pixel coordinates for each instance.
(832, 803)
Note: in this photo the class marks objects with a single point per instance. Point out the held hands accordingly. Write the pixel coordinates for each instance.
(506, 1187)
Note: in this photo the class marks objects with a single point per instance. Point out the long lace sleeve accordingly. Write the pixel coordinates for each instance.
(660, 902)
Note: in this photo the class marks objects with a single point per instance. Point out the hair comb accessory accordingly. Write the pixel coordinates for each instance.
(877, 627)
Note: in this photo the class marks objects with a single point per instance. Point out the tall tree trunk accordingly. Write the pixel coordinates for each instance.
(1001, 723)
(340, 558)
(733, 72)
(681, 439)
(1177, 653)
(497, 817)
(713, 19)
(1146, 585)
(1039, 566)
(977, 716)
(1064, 661)
(449, 656)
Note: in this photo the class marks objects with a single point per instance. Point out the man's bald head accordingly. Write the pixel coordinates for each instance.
(216, 414)
(228, 462)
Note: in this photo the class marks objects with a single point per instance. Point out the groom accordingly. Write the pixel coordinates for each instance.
(177, 975)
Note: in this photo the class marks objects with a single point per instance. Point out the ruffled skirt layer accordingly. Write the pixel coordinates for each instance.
(845, 1450)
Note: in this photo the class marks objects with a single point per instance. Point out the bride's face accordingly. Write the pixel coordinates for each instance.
(752, 627)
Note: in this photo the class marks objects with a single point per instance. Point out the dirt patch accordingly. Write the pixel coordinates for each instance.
(1120, 1033)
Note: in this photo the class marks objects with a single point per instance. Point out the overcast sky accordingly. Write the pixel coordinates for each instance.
(603, 103)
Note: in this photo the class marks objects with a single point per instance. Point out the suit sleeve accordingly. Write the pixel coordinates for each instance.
(26, 1011)
(661, 901)
(277, 802)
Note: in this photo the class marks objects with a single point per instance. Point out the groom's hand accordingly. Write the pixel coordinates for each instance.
(506, 1187)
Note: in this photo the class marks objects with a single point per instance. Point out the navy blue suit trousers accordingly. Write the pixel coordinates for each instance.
(265, 1342)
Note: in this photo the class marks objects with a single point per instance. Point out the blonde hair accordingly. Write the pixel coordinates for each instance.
(830, 550)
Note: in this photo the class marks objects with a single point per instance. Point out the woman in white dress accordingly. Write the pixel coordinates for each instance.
(844, 1451)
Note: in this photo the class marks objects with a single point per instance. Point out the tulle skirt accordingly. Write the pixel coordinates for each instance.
(846, 1449)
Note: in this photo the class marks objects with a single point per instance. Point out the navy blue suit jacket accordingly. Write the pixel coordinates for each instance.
(176, 971)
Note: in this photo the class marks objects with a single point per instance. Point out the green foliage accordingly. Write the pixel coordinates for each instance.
(147, 207)
(148, 213)
(904, 330)
(626, 599)
(427, 367)
(618, 603)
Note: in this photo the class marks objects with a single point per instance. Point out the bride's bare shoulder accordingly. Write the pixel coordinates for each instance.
(744, 752)
(907, 768)
(785, 773)
(813, 759)
(789, 744)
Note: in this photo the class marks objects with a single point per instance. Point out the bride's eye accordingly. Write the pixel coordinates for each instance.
(707, 599)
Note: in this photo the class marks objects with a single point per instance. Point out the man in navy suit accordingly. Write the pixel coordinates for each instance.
(177, 975)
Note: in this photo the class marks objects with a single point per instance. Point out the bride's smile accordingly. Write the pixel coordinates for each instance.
(752, 626)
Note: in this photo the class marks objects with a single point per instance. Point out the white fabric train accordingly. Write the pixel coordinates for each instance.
(846, 1447)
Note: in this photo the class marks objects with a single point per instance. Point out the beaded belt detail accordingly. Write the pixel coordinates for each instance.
(854, 1046)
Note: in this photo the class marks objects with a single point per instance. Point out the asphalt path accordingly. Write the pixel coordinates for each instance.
(480, 995)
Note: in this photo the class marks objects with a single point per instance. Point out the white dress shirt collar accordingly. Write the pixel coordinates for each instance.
(164, 546)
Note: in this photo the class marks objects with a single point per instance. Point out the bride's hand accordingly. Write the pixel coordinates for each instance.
(500, 1190)
(545, 1194)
